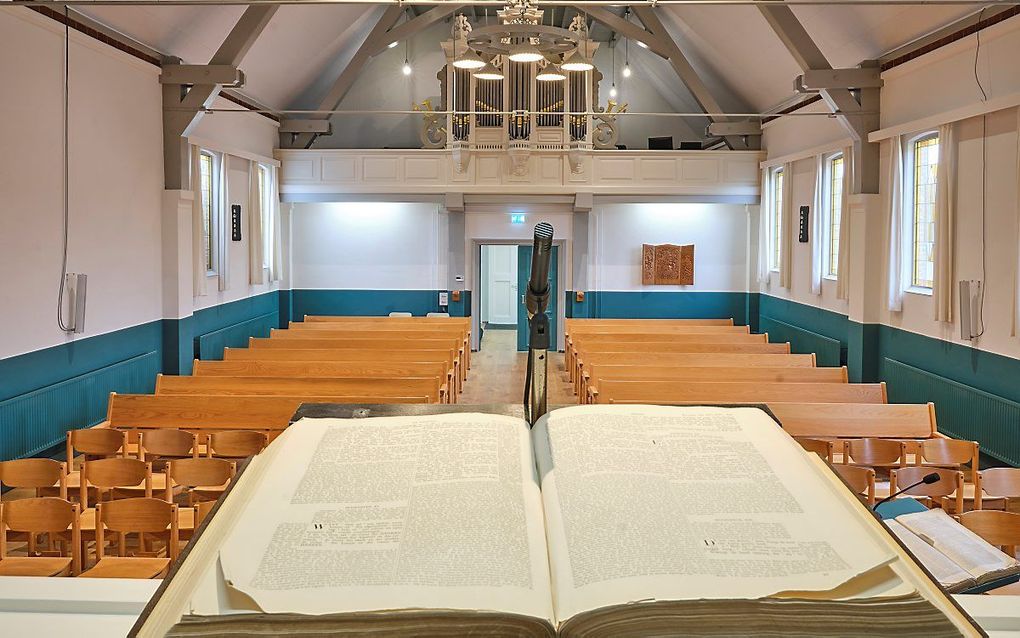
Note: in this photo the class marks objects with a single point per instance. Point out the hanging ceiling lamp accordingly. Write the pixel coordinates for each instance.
(525, 51)
(551, 73)
(469, 60)
(576, 62)
(488, 72)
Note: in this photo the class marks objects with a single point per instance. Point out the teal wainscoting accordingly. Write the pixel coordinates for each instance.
(211, 344)
(369, 303)
(460, 308)
(231, 324)
(34, 422)
(828, 351)
(574, 309)
(641, 304)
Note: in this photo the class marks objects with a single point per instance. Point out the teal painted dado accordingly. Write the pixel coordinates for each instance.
(641, 304)
(369, 303)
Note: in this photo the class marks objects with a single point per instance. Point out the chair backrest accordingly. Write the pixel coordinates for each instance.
(167, 442)
(33, 474)
(202, 511)
(949, 452)
(236, 443)
(110, 473)
(45, 515)
(870, 451)
(196, 473)
(137, 515)
(818, 446)
(96, 442)
(1000, 482)
(950, 481)
(860, 479)
(998, 528)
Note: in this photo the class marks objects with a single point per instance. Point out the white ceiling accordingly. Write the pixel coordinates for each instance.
(743, 62)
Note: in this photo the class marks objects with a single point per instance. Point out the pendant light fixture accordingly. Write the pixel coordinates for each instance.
(469, 59)
(407, 64)
(626, 62)
(525, 51)
(551, 73)
(575, 61)
(612, 90)
(488, 72)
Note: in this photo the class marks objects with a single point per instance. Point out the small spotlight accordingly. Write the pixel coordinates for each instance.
(642, 44)
(392, 45)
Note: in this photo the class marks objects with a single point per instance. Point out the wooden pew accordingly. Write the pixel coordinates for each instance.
(361, 318)
(653, 348)
(695, 359)
(452, 345)
(624, 332)
(204, 413)
(385, 328)
(681, 374)
(856, 420)
(701, 392)
(429, 387)
(580, 321)
(334, 369)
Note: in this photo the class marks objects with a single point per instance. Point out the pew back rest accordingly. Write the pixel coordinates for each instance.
(300, 386)
(338, 369)
(626, 391)
(855, 420)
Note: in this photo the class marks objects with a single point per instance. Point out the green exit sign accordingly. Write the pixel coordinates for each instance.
(517, 218)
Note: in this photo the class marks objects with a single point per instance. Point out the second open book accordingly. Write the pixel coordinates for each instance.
(602, 521)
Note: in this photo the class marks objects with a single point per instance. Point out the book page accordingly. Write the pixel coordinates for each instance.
(437, 512)
(948, 573)
(651, 503)
(962, 546)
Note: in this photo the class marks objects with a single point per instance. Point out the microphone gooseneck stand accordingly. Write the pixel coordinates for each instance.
(537, 300)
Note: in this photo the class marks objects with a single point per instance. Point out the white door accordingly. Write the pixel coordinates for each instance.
(502, 284)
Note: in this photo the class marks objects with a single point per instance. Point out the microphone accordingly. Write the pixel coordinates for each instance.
(537, 297)
(928, 479)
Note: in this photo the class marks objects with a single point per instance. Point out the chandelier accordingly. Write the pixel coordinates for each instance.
(521, 37)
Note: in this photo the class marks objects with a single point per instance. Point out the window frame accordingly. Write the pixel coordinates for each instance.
(265, 177)
(827, 201)
(776, 177)
(214, 212)
(910, 211)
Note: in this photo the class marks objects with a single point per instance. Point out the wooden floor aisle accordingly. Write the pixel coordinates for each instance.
(497, 373)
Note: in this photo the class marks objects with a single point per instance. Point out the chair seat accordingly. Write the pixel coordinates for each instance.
(185, 519)
(35, 566)
(128, 567)
(73, 482)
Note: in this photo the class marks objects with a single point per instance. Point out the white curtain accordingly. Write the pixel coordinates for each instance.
(198, 266)
(945, 224)
(843, 263)
(817, 227)
(256, 271)
(276, 237)
(223, 245)
(786, 229)
(1015, 330)
(894, 251)
(763, 227)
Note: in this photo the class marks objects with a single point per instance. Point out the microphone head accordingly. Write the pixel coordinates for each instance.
(544, 235)
(934, 477)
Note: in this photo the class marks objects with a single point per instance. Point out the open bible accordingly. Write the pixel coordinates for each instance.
(957, 557)
(601, 521)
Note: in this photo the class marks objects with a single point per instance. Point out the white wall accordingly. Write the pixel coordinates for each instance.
(373, 245)
(719, 233)
(922, 92)
(116, 182)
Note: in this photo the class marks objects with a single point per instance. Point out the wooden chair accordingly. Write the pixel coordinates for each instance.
(51, 516)
(202, 511)
(860, 479)
(35, 474)
(1001, 529)
(997, 484)
(202, 479)
(166, 444)
(818, 446)
(144, 516)
(96, 443)
(106, 475)
(235, 444)
(951, 453)
(949, 485)
(872, 452)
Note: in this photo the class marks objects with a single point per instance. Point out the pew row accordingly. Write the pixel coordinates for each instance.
(683, 374)
(432, 388)
(703, 392)
(380, 329)
(857, 420)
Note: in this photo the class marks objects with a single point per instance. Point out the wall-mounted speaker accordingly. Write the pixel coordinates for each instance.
(76, 285)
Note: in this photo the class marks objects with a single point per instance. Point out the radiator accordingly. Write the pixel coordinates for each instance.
(211, 344)
(32, 422)
(962, 411)
(828, 351)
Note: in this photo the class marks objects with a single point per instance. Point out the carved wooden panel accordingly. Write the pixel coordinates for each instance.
(667, 264)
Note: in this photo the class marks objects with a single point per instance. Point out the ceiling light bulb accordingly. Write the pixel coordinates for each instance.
(626, 70)
(575, 62)
(551, 73)
(612, 92)
(488, 72)
(392, 44)
(469, 60)
(525, 52)
(407, 67)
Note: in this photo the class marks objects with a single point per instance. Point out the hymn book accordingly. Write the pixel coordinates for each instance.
(601, 521)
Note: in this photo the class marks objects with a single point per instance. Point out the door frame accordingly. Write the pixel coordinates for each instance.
(562, 281)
